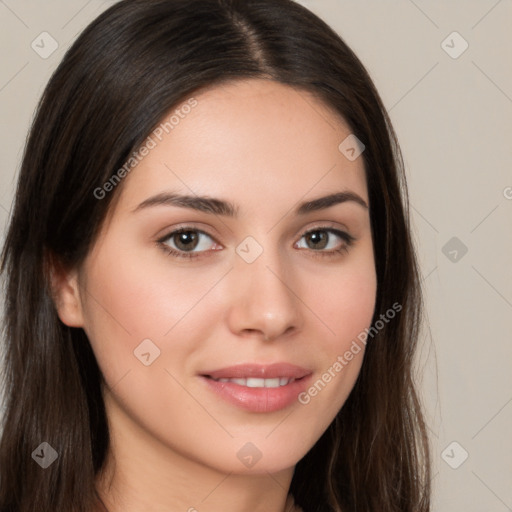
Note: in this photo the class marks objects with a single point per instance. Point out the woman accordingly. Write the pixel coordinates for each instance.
(212, 299)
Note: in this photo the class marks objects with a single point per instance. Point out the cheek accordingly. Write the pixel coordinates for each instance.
(130, 299)
(346, 307)
(347, 303)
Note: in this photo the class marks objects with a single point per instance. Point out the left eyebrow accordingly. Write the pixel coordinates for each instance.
(330, 200)
(228, 209)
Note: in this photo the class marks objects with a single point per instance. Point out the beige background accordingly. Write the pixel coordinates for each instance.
(453, 117)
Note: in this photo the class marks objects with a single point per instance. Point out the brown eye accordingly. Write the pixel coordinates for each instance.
(319, 239)
(185, 240)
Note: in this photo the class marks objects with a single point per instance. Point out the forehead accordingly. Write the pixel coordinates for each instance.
(247, 141)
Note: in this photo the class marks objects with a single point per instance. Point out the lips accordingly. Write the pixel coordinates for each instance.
(272, 371)
(258, 388)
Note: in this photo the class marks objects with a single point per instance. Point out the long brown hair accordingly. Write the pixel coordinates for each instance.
(126, 70)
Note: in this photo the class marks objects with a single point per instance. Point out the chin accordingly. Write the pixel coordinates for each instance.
(268, 452)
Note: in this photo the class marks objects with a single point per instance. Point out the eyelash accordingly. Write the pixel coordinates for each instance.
(349, 240)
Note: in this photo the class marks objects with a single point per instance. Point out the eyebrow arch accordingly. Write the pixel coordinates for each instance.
(228, 209)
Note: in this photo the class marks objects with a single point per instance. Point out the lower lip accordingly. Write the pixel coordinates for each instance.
(258, 399)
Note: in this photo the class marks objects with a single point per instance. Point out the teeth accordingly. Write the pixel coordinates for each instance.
(255, 383)
(259, 383)
(271, 383)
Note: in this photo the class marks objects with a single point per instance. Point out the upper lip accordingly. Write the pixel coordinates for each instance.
(262, 371)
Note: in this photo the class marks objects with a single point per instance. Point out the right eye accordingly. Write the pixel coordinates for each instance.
(184, 241)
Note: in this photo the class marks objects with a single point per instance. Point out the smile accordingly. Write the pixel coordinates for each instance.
(256, 387)
(259, 383)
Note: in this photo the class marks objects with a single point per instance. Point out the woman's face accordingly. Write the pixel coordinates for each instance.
(242, 294)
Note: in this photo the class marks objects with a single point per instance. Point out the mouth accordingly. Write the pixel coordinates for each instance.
(253, 382)
(258, 388)
(258, 372)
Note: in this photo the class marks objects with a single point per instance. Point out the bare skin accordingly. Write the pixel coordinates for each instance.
(264, 147)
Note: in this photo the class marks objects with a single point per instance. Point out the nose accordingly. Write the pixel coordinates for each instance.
(263, 298)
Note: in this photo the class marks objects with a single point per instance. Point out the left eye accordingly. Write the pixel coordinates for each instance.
(189, 242)
(322, 238)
